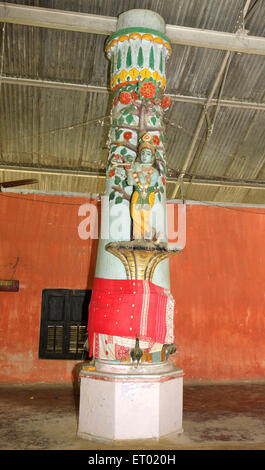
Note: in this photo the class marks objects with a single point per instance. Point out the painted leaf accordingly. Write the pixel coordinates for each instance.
(152, 59)
(129, 57)
(129, 119)
(117, 180)
(118, 133)
(112, 195)
(123, 151)
(119, 60)
(153, 120)
(140, 58)
(118, 200)
(161, 62)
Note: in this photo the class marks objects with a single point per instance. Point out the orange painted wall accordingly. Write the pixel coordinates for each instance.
(43, 232)
(218, 282)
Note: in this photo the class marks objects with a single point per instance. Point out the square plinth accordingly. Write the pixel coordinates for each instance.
(117, 406)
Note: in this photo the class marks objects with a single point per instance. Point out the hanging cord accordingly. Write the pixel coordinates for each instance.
(65, 128)
(15, 268)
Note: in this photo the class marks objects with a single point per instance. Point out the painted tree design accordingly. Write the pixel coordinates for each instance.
(137, 110)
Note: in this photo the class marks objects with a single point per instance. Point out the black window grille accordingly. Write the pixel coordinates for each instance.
(64, 315)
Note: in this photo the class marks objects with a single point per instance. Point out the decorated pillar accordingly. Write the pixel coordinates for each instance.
(131, 313)
(131, 305)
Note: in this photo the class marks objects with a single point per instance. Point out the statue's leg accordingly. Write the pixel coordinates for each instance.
(136, 216)
(149, 231)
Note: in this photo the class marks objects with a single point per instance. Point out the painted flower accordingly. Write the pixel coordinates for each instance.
(166, 102)
(146, 138)
(156, 140)
(163, 180)
(125, 97)
(111, 173)
(127, 135)
(135, 95)
(147, 90)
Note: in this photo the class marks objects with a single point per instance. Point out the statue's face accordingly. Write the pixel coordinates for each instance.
(146, 155)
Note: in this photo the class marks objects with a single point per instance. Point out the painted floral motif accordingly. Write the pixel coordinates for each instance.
(146, 138)
(165, 102)
(127, 135)
(111, 173)
(135, 95)
(125, 97)
(156, 140)
(147, 90)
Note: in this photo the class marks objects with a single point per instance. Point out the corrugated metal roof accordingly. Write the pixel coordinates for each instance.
(48, 127)
(45, 127)
(234, 150)
(59, 183)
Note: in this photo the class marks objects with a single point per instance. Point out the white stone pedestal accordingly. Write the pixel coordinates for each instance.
(127, 402)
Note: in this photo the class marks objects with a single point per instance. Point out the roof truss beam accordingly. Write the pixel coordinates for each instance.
(99, 24)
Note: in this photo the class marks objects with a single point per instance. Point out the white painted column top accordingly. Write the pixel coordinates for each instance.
(141, 18)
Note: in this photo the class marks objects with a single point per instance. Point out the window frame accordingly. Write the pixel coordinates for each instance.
(66, 322)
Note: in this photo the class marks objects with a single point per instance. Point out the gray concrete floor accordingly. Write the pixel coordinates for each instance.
(226, 416)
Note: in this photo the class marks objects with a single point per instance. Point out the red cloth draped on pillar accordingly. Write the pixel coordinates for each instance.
(127, 308)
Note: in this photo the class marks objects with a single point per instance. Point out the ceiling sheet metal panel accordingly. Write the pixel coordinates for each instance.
(22, 51)
(53, 182)
(170, 189)
(19, 125)
(245, 78)
(32, 115)
(253, 196)
(194, 192)
(48, 127)
(255, 24)
(209, 193)
(239, 195)
(179, 135)
(249, 160)
(50, 54)
(235, 147)
(191, 71)
(94, 144)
